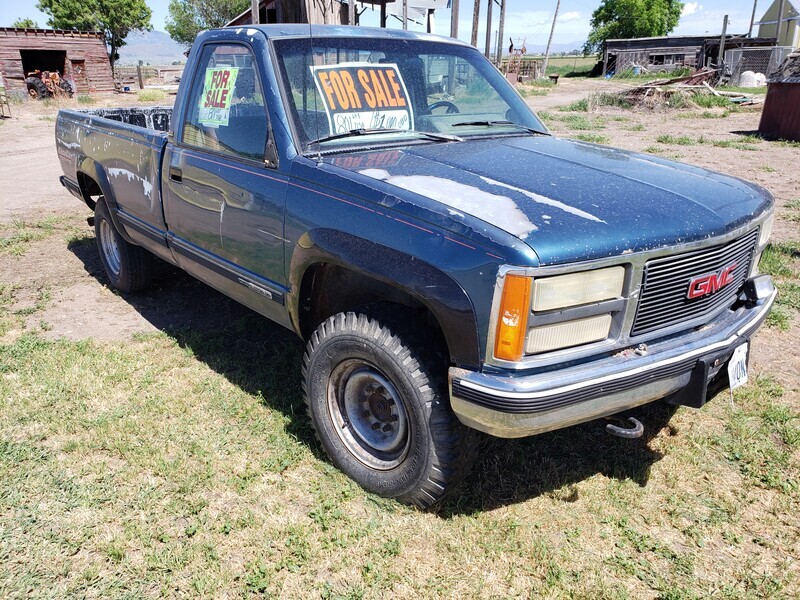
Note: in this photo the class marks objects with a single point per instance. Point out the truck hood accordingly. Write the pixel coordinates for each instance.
(568, 200)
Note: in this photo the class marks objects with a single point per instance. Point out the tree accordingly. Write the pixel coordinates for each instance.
(114, 18)
(619, 19)
(25, 24)
(187, 18)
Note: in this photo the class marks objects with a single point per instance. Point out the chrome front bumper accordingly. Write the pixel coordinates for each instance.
(510, 406)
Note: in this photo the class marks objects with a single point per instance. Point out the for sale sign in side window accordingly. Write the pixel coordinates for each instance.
(363, 96)
(215, 102)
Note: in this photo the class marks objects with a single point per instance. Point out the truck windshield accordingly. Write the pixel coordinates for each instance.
(409, 87)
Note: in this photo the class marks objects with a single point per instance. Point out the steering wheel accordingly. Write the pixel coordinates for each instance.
(451, 108)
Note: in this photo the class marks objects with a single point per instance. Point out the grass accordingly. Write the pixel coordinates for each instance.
(742, 142)
(181, 463)
(16, 238)
(592, 138)
(529, 91)
(574, 121)
(683, 140)
(581, 105)
(154, 95)
(87, 99)
(792, 212)
(782, 262)
(744, 90)
(597, 100)
(711, 101)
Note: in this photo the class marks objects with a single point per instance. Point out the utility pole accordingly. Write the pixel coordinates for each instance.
(405, 14)
(752, 19)
(254, 12)
(454, 19)
(351, 12)
(780, 21)
(489, 30)
(383, 15)
(476, 13)
(500, 38)
(722, 44)
(550, 40)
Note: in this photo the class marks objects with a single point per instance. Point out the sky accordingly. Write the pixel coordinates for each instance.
(526, 19)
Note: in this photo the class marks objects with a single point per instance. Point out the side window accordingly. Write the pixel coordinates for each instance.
(226, 106)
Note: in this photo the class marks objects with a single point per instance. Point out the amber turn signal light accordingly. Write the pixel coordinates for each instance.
(512, 322)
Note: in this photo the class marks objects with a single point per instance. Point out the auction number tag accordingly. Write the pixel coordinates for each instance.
(737, 367)
(363, 96)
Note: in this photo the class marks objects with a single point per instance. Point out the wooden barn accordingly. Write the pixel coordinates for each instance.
(780, 118)
(80, 56)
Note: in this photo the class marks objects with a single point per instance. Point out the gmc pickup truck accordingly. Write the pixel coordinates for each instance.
(452, 265)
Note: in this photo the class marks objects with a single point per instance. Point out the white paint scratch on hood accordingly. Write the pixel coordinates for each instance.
(545, 200)
(500, 211)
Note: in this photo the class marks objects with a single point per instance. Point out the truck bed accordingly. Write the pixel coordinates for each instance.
(129, 144)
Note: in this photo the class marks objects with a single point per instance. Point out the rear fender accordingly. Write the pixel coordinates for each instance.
(93, 170)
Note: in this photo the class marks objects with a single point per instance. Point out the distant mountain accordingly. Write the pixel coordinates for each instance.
(154, 47)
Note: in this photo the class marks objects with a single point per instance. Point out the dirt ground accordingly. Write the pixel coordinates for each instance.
(66, 283)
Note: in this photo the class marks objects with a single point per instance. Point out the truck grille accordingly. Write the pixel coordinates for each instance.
(663, 300)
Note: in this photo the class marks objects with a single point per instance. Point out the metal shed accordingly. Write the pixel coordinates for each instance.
(780, 118)
(77, 55)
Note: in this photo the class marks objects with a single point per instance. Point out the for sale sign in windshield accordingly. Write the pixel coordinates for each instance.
(215, 101)
(363, 96)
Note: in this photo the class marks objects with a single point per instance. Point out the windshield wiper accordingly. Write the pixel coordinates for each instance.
(497, 123)
(438, 137)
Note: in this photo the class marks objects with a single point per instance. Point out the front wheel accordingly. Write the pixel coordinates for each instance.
(128, 267)
(381, 413)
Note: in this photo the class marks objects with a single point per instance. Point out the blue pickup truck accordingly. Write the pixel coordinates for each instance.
(452, 265)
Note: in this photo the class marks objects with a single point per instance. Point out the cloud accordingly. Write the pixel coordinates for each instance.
(691, 8)
(570, 16)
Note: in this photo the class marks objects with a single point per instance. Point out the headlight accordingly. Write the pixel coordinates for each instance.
(562, 291)
(569, 333)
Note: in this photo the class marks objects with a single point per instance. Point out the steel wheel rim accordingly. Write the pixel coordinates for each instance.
(368, 414)
(108, 244)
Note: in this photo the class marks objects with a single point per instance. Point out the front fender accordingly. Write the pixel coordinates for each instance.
(435, 289)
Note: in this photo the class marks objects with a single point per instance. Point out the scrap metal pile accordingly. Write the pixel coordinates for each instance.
(678, 90)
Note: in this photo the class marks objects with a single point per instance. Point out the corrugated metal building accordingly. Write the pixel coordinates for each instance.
(780, 118)
(80, 56)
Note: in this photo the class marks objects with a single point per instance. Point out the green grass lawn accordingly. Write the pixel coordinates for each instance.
(181, 463)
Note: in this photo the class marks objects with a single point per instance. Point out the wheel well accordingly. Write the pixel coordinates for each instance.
(330, 289)
(90, 189)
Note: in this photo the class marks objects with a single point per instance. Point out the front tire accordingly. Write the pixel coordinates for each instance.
(129, 268)
(380, 412)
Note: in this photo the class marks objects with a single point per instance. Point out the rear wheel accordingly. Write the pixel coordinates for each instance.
(128, 267)
(381, 413)
(36, 88)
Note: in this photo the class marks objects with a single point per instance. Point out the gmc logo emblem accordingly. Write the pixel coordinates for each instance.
(713, 282)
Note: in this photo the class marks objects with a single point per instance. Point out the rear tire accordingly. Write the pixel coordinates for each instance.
(381, 413)
(36, 88)
(129, 268)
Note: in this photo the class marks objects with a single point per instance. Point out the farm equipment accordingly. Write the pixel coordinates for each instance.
(47, 84)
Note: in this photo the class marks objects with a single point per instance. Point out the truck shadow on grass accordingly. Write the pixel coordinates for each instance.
(262, 358)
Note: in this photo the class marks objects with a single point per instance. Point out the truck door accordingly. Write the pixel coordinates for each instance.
(225, 204)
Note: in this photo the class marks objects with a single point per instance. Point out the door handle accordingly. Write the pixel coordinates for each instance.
(175, 174)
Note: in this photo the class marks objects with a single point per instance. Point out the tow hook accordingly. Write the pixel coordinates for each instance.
(629, 433)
